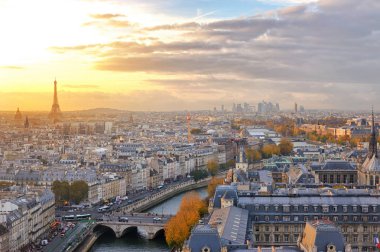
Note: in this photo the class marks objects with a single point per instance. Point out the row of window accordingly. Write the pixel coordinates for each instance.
(296, 229)
(323, 208)
(338, 178)
(354, 218)
(276, 238)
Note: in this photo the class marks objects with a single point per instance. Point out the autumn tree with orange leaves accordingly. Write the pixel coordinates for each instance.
(214, 182)
(177, 230)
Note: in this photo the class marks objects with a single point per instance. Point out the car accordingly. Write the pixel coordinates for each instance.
(157, 219)
(62, 234)
(44, 242)
(123, 219)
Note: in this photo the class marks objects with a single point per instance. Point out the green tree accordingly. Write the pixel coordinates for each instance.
(230, 163)
(286, 146)
(61, 191)
(199, 174)
(213, 167)
(78, 191)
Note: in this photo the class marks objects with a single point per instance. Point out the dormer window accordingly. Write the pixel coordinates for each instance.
(206, 249)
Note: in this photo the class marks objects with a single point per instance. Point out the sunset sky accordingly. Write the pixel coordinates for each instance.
(189, 54)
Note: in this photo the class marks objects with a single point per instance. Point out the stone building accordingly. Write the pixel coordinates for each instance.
(279, 219)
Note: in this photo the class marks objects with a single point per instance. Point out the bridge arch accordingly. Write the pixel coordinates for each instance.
(159, 233)
(100, 228)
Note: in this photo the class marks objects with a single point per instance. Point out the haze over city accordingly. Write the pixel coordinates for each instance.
(174, 55)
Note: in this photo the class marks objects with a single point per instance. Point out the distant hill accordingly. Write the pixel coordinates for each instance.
(100, 111)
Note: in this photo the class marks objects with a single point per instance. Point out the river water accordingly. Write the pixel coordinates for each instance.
(134, 241)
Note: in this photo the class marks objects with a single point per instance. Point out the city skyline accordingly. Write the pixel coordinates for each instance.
(177, 55)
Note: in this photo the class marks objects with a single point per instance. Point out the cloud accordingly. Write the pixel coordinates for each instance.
(12, 67)
(324, 53)
(106, 16)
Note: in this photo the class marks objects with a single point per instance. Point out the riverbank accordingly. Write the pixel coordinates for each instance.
(147, 204)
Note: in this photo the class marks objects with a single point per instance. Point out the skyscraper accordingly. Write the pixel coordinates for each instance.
(295, 108)
(55, 114)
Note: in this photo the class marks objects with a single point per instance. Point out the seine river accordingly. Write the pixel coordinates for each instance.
(134, 241)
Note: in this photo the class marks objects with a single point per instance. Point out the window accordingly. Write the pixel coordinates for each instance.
(305, 208)
(266, 208)
(345, 209)
(355, 218)
(266, 218)
(364, 209)
(256, 218)
(365, 218)
(276, 208)
(345, 218)
(365, 228)
(295, 239)
(306, 218)
(276, 238)
(295, 229)
(206, 249)
(315, 217)
(335, 218)
(276, 218)
(257, 237)
(267, 238)
(335, 209)
(286, 218)
(295, 208)
(354, 209)
(286, 209)
(295, 218)
(286, 238)
(286, 228)
(276, 229)
(374, 209)
(257, 207)
(315, 209)
(355, 238)
(257, 228)
(375, 218)
(325, 209)
(266, 228)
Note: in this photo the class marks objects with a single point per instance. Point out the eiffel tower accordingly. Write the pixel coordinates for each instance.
(55, 114)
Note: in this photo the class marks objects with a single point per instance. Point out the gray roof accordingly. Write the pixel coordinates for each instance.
(332, 165)
(204, 236)
(236, 225)
(225, 191)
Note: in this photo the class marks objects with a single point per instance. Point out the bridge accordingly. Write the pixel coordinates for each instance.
(148, 225)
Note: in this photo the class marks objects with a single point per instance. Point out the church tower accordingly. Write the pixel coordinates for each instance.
(55, 114)
(373, 140)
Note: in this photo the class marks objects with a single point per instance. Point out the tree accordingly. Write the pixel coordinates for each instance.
(214, 182)
(269, 150)
(286, 146)
(177, 230)
(199, 174)
(195, 131)
(231, 163)
(79, 191)
(213, 167)
(61, 191)
(252, 155)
